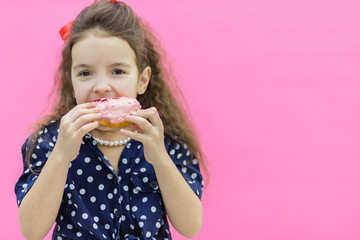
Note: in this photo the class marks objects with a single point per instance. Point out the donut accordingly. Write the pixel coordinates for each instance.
(114, 110)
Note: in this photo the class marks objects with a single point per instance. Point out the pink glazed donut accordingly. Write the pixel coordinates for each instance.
(114, 110)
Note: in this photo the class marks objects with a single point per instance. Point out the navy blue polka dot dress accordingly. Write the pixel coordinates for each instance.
(100, 204)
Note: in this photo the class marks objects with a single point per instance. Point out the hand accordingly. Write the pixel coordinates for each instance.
(150, 131)
(73, 126)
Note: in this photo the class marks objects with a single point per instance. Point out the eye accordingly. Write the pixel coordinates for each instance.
(84, 74)
(118, 72)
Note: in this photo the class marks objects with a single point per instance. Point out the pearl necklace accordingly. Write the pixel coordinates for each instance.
(110, 143)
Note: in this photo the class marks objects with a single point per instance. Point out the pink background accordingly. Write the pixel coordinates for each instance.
(273, 88)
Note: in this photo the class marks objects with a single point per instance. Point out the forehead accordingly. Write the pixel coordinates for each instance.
(93, 49)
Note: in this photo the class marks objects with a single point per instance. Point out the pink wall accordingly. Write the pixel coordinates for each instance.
(273, 88)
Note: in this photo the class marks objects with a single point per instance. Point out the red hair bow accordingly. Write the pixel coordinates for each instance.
(65, 30)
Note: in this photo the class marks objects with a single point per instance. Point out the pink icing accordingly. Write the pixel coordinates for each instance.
(116, 109)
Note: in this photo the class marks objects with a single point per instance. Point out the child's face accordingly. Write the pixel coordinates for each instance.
(105, 67)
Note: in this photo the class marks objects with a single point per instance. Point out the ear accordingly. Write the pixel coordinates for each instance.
(144, 80)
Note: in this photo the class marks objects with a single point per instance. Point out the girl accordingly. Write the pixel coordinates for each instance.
(96, 191)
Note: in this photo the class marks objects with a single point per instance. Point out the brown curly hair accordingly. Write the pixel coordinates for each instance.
(119, 20)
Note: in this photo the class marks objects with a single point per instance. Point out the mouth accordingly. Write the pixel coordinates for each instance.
(100, 100)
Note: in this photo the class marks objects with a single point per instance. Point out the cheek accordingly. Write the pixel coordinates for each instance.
(128, 87)
(79, 93)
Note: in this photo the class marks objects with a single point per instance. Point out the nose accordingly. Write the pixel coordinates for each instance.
(102, 86)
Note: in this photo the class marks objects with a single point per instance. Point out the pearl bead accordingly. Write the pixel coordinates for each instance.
(111, 143)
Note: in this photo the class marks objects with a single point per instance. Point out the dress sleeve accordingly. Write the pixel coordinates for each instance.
(188, 167)
(40, 154)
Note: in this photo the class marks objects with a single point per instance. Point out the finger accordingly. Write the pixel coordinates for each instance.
(134, 135)
(152, 114)
(85, 119)
(81, 109)
(137, 128)
(143, 123)
(87, 128)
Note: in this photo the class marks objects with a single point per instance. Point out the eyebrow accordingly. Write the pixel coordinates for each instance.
(122, 64)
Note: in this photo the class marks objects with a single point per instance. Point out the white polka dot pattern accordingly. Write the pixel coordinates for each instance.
(99, 204)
